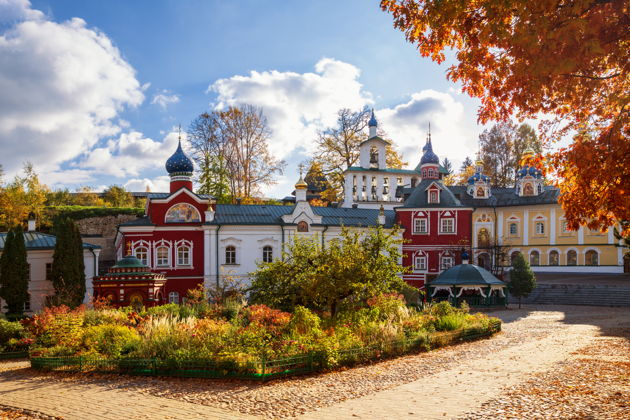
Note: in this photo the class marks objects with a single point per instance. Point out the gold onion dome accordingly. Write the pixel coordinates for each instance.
(301, 184)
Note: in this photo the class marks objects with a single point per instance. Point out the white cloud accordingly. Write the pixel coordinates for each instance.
(297, 105)
(163, 99)
(158, 184)
(63, 86)
(130, 154)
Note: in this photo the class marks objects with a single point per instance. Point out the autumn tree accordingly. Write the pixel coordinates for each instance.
(338, 147)
(86, 196)
(318, 183)
(117, 196)
(567, 60)
(24, 195)
(232, 149)
(14, 273)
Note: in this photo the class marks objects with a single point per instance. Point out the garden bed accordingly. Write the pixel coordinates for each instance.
(261, 369)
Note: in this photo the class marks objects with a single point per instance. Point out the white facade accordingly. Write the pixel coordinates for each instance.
(39, 287)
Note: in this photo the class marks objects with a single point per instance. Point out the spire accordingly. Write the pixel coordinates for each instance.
(429, 134)
(372, 124)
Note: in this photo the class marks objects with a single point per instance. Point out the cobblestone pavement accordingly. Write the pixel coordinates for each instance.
(537, 343)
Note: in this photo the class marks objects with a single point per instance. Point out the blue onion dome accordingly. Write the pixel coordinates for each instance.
(478, 177)
(179, 163)
(428, 156)
(372, 122)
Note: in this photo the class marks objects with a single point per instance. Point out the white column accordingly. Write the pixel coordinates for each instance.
(348, 200)
(526, 227)
(552, 226)
(206, 259)
(359, 187)
(392, 188)
(500, 229)
(379, 187)
(581, 235)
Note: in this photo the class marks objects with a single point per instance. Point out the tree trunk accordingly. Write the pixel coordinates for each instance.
(519, 302)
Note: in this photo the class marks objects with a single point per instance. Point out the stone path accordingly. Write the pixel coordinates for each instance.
(448, 383)
(89, 401)
(454, 392)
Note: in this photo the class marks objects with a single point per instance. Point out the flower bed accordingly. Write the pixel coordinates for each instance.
(232, 340)
(260, 369)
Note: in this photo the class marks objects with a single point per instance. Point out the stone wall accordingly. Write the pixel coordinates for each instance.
(102, 231)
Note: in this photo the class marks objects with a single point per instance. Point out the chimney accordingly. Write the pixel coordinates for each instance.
(209, 214)
(32, 222)
(381, 216)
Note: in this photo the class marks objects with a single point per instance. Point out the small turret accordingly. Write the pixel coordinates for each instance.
(372, 125)
(300, 188)
(180, 168)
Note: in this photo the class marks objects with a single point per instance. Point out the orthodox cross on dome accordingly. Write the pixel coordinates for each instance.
(128, 248)
(301, 168)
(429, 133)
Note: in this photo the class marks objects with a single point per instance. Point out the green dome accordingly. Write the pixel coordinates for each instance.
(466, 274)
(130, 261)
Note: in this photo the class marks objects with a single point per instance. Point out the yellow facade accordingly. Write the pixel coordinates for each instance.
(539, 232)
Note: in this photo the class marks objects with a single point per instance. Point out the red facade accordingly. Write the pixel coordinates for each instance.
(434, 240)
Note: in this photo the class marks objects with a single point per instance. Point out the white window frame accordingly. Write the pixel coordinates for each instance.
(144, 250)
(184, 255)
(183, 243)
(173, 297)
(225, 255)
(539, 226)
(446, 262)
(443, 221)
(417, 225)
(433, 200)
(266, 258)
(420, 263)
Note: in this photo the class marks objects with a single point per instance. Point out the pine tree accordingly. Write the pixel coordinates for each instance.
(522, 279)
(68, 267)
(448, 166)
(14, 273)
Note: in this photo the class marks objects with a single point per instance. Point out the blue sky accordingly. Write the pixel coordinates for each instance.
(95, 90)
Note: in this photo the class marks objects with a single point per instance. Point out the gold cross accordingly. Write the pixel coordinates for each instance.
(301, 166)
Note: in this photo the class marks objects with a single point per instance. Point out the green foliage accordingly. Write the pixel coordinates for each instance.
(110, 340)
(85, 212)
(14, 273)
(353, 268)
(10, 330)
(522, 278)
(68, 267)
(449, 322)
(117, 196)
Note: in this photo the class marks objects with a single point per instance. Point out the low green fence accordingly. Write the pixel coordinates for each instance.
(261, 369)
(13, 355)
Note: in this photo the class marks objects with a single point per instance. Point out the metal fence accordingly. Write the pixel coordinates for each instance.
(13, 355)
(261, 369)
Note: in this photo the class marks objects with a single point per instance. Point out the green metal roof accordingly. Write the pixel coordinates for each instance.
(466, 274)
(130, 261)
(38, 240)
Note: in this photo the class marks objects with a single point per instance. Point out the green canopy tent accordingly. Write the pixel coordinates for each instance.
(470, 283)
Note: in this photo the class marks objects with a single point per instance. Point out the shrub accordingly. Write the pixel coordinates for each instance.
(170, 309)
(450, 322)
(10, 330)
(110, 340)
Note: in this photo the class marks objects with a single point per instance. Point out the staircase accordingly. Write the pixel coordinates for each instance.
(578, 294)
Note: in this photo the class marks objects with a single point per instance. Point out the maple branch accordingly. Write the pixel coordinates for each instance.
(584, 76)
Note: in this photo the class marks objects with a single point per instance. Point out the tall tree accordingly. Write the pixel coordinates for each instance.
(14, 273)
(448, 166)
(467, 163)
(338, 147)
(85, 196)
(68, 267)
(568, 60)
(232, 146)
(24, 195)
(497, 154)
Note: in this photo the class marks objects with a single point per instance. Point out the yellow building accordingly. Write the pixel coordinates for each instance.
(528, 219)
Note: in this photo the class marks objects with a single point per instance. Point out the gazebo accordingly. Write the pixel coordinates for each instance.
(470, 283)
(130, 282)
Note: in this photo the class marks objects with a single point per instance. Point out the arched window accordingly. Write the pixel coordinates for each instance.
(373, 157)
(554, 258)
(267, 254)
(534, 258)
(540, 228)
(513, 229)
(591, 257)
(302, 226)
(182, 213)
(183, 255)
(173, 297)
(142, 253)
(483, 237)
(572, 258)
(513, 256)
(430, 173)
(162, 256)
(540, 188)
(230, 254)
